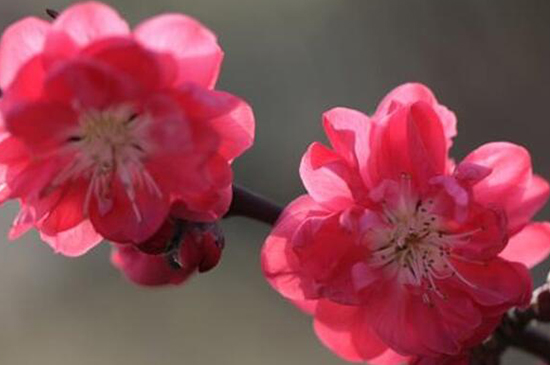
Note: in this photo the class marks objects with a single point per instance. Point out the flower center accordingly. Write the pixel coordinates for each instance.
(110, 143)
(413, 242)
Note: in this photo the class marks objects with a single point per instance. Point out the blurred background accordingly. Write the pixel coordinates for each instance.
(489, 61)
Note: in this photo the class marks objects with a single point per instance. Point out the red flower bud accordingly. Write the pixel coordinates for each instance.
(160, 241)
(173, 254)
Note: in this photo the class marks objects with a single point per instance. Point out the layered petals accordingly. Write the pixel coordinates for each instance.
(192, 45)
(410, 93)
(346, 331)
(397, 254)
(349, 133)
(326, 176)
(90, 21)
(75, 241)
(26, 124)
(510, 177)
(229, 116)
(91, 84)
(411, 142)
(530, 246)
(20, 42)
(130, 217)
(106, 131)
(497, 282)
(279, 263)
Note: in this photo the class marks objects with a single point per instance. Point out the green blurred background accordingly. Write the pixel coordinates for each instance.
(489, 61)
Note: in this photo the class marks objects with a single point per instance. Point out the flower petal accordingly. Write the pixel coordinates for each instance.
(279, 262)
(89, 21)
(22, 223)
(534, 198)
(394, 312)
(68, 211)
(530, 246)
(344, 330)
(325, 176)
(127, 221)
(404, 95)
(389, 357)
(127, 57)
(194, 46)
(231, 118)
(75, 241)
(328, 254)
(496, 282)
(510, 177)
(426, 141)
(42, 126)
(207, 202)
(411, 93)
(91, 84)
(28, 84)
(29, 179)
(20, 42)
(410, 141)
(349, 134)
(490, 235)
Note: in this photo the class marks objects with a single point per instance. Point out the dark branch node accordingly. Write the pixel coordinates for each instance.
(52, 13)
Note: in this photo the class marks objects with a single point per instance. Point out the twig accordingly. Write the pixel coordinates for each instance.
(251, 205)
(532, 341)
(515, 331)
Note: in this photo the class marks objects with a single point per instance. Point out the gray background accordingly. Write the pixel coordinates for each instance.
(489, 61)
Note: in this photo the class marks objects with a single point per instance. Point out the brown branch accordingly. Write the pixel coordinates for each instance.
(532, 341)
(515, 331)
(251, 205)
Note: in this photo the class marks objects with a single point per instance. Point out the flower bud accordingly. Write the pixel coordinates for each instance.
(159, 243)
(172, 255)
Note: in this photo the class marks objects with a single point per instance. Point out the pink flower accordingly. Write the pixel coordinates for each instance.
(197, 249)
(105, 129)
(396, 251)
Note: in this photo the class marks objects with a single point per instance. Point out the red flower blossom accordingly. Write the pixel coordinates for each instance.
(106, 129)
(396, 251)
(197, 248)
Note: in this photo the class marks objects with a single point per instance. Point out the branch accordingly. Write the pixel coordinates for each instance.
(251, 205)
(533, 342)
(515, 331)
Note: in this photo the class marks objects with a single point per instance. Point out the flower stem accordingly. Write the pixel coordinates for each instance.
(251, 205)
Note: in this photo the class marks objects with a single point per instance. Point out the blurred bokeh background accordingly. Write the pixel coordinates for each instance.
(489, 61)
